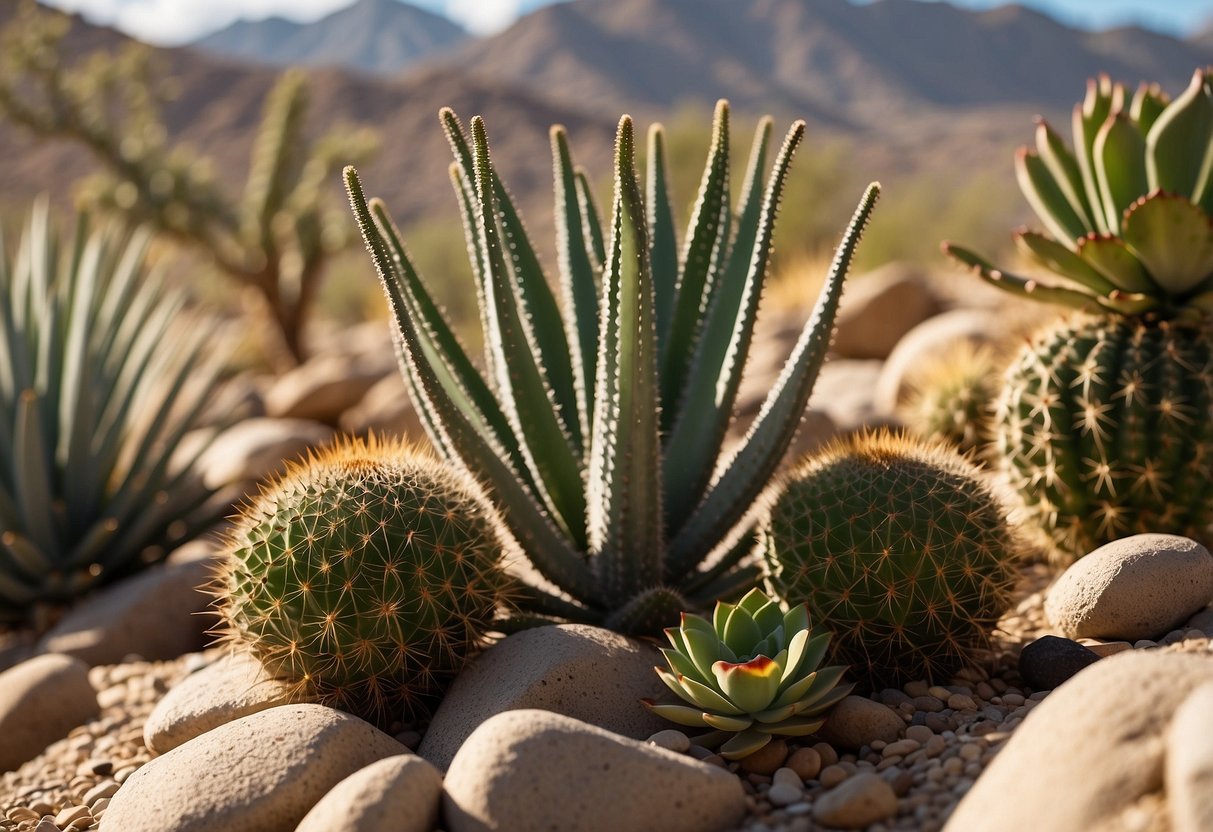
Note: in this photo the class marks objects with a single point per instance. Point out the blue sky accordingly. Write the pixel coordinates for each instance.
(178, 21)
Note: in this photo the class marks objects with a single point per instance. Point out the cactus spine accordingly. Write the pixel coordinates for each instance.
(365, 576)
(900, 547)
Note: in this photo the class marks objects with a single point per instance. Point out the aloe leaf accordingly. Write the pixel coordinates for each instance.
(625, 454)
(539, 314)
(77, 408)
(741, 632)
(461, 382)
(591, 220)
(1065, 171)
(34, 474)
(1120, 166)
(796, 727)
(1114, 261)
(706, 407)
(465, 193)
(1087, 119)
(521, 381)
(744, 744)
(743, 476)
(1178, 144)
(699, 585)
(678, 714)
(702, 254)
(1173, 239)
(1056, 257)
(546, 547)
(1025, 287)
(728, 584)
(727, 723)
(663, 243)
(579, 288)
(707, 698)
(1046, 198)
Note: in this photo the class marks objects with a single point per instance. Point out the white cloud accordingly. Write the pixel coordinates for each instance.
(165, 22)
(483, 17)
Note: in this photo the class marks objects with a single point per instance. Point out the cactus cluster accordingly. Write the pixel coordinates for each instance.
(1104, 422)
(952, 397)
(364, 577)
(276, 238)
(102, 376)
(750, 674)
(901, 547)
(598, 428)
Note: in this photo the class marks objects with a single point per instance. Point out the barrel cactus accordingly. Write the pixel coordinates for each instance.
(952, 395)
(102, 376)
(902, 547)
(750, 674)
(598, 428)
(364, 577)
(1104, 423)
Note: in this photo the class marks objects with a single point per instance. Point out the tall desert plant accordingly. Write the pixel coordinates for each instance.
(598, 425)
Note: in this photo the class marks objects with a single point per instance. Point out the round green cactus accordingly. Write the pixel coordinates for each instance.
(901, 547)
(952, 397)
(365, 577)
(1104, 429)
(750, 674)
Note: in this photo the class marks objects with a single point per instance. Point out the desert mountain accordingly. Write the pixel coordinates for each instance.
(381, 36)
(831, 60)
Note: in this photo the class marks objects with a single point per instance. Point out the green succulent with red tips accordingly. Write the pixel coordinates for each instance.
(749, 675)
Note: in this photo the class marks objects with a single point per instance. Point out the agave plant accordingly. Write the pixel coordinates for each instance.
(1104, 421)
(749, 674)
(598, 427)
(100, 379)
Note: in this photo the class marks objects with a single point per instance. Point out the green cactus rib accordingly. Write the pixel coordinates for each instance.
(1104, 428)
(597, 428)
(101, 379)
(902, 548)
(364, 578)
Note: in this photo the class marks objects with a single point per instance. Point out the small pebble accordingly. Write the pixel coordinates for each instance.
(671, 740)
(806, 762)
(766, 759)
(921, 734)
(781, 794)
(826, 752)
(831, 776)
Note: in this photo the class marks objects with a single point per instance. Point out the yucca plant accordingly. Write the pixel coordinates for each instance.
(597, 428)
(1104, 424)
(101, 376)
(750, 674)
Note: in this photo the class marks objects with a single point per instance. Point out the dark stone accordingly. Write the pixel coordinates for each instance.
(893, 697)
(1049, 661)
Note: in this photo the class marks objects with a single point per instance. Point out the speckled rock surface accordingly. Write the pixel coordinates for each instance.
(1091, 750)
(261, 773)
(1133, 588)
(397, 794)
(580, 671)
(1189, 767)
(42, 699)
(533, 769)
(233, 687)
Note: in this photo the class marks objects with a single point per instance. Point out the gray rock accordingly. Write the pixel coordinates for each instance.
(539, 770)
(857, 721)
(1089, 752)
(384, 409)
(256, 449)
(1189, 766)
(324, 387)
(158, 614)
(261, 773)
(857, 802)
(930, 338)
(233, 687)
(881, 307)
(41, 700)
(580, 671)
(1203, 621)
(1138, 587)
(397, 794)
(844, 392)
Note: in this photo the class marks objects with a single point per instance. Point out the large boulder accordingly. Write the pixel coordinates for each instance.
(1138, 587)
(261, 773)
(580, 671)
(539, 770)
(325, 387)
(41, 700)
(256, 449)
(1088, 752)
(881, 307)
(1189, 768)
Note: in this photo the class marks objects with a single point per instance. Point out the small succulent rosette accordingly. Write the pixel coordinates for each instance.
(748, 675)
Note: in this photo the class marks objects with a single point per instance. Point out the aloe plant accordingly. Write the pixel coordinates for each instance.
(101, 378)
(599, 422)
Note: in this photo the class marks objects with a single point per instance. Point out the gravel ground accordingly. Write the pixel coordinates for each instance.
(954, 731)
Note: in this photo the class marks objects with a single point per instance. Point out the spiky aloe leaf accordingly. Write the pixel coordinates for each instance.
(1065, 171)
(624, 486)
(1062, 260)
(740, 478)
(1088, 118)
(663, 243)
(1047, 199)
(1120, 166)
(1177, 158)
